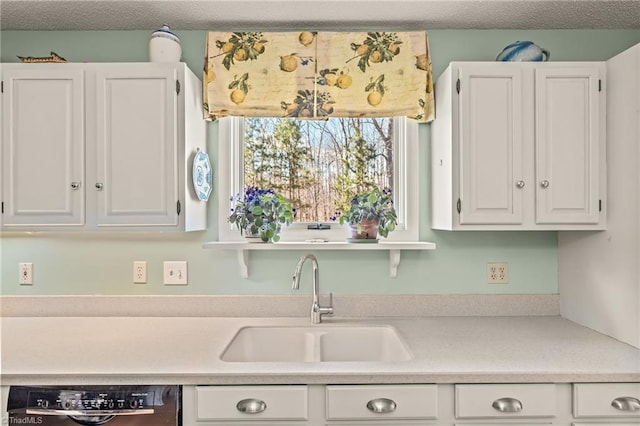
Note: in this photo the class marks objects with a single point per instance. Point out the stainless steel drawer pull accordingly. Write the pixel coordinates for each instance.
(99, 186)
(75, 185)
(251, 406)
(626, 403)
(544, 184)
(381, 405)
(520, 184)
(507, 405)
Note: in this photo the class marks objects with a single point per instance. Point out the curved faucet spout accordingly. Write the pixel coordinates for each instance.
(316, 310)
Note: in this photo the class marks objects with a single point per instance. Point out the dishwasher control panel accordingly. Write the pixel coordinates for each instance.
(90, 405)
(73, 400)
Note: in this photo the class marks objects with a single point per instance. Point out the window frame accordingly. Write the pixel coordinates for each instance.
(231, 172)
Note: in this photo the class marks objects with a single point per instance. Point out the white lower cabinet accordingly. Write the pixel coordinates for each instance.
(615, 400)
(505, 401)
(526, 404)
(251, 403)
(381, 402)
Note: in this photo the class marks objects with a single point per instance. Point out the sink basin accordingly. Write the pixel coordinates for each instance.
(321, 343)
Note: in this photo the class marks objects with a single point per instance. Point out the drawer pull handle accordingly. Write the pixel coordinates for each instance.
(507, 405)
(626, 403)
(251, 406)
(381, 405)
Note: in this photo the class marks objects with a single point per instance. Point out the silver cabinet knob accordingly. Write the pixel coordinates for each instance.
(520, 184)
(507, 405)
(75, 185)
(626, 403)
(544, 184)
(381, 405)
(251, 406)
(99, 186)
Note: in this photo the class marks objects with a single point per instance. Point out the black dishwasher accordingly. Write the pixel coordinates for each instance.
(95, 405)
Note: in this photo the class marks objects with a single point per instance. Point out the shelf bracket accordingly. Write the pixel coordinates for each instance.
(394, 262)
(243, 260)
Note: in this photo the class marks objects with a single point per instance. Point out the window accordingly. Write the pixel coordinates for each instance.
(318, 165)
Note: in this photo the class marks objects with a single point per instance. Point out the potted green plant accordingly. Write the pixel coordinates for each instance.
(260, 213)
(371, 213)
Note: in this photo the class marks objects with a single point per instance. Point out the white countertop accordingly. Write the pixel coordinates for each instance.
(186, 350)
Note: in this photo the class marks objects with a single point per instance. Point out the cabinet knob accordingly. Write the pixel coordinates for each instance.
(99, 186)
(507, 405)
(520, 184)
(626, 403)
(544, 184)
(75, 185)
(381, 405)
(251, 406)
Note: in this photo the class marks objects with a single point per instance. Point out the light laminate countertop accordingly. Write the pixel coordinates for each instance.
(186, 350)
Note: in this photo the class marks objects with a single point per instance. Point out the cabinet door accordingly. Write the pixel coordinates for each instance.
(251, 403)
(567, 145)
(43, 146)
(490, 126)
(606, 400)
(136, 179)
(505, 400)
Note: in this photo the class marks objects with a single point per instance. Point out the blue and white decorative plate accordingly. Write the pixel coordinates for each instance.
(202, 175)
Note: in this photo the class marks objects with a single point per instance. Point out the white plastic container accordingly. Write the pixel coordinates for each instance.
(164, 46)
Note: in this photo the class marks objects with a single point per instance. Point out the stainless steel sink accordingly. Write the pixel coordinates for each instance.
(320, 343)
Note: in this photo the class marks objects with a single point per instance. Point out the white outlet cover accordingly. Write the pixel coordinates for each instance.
(139, 272)
(498, 273)
(175, 273)
(25, 272)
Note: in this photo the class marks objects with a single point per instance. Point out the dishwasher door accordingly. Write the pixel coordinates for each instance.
(92, 405)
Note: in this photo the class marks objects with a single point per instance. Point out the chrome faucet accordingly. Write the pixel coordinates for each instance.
(316, 310)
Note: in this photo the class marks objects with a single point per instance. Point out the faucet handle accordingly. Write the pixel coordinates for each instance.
(329, 309)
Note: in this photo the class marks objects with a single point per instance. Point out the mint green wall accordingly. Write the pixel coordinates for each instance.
(102, 263)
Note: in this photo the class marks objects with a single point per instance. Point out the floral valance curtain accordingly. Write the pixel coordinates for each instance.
(318, 75)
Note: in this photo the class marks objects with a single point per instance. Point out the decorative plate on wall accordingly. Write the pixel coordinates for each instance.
(202, 181)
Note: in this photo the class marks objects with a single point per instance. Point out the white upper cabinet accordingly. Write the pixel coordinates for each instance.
(519, 146)
(43, 146)
(136, 166)
(568, 144)
(490, 145)
(101, 146)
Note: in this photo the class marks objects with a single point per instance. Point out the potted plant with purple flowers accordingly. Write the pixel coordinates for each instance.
(260, 213)
(371, 213)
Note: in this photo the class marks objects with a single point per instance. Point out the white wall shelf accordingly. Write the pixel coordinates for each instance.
(244, 248)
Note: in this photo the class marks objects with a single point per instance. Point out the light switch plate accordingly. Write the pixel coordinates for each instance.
(175, 273)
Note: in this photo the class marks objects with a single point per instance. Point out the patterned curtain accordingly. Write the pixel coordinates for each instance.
(318, 75)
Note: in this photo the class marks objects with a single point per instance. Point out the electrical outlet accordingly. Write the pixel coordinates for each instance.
(25, 271)
(175, 273)
(140, 272)
(497, 273)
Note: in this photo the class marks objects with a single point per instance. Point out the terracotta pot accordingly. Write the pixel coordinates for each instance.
(253, 239)
(369, 230)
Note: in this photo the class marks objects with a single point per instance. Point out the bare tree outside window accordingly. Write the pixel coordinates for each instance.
(318, 165)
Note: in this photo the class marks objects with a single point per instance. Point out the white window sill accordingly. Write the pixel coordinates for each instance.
(394, 248)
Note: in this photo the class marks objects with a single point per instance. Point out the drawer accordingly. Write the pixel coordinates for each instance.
(505, 401)
(606, 399)
(250, 403)
(382, 402)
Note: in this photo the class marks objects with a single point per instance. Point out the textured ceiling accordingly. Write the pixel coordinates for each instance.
(328, 14)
